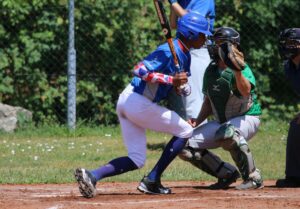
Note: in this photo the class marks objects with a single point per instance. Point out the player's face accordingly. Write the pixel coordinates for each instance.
(198, 43)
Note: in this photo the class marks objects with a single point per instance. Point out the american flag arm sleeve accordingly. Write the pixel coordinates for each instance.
(141, 71)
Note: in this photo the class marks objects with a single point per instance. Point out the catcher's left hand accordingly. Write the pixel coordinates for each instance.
(231, 56)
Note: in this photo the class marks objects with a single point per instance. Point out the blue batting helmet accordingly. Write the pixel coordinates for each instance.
(191, 24)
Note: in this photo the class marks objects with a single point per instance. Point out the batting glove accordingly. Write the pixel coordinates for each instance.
(183, 90)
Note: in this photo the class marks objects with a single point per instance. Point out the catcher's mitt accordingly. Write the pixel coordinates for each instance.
(231, 56)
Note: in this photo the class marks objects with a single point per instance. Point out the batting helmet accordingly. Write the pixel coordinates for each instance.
(223, 34)
(289, 43)
(191, 24)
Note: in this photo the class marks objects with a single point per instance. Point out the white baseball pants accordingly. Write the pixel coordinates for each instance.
(204, 135)
(136, 113)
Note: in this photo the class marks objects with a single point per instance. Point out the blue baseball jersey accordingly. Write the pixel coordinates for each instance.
(161, 60)
(293, 75)
(204, 7)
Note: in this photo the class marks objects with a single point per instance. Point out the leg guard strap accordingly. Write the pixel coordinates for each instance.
(208, 162)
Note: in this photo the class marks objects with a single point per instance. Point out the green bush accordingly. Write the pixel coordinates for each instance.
(111, 36)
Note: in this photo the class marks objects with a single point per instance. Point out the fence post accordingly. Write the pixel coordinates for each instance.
(71, 70)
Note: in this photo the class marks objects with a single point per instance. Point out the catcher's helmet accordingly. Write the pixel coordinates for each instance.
(223, 34)
(191, 24)
(289, 43)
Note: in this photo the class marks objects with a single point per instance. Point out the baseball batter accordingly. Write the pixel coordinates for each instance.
(137, 110)
(229, 88)
(188, 107)
(289, 48)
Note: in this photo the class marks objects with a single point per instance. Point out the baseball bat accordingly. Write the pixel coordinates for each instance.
(166, 29)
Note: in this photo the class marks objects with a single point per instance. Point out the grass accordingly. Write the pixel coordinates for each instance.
(50, 154)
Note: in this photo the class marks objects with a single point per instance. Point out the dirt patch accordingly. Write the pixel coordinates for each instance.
(124, 195)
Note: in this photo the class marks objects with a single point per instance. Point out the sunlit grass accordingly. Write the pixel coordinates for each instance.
(50, 155)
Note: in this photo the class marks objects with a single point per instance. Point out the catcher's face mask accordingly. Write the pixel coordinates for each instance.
(289, 43)
(289, 48)
(218, 42)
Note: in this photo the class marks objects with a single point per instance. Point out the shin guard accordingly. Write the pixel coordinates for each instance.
(208, 162)
(230, 139)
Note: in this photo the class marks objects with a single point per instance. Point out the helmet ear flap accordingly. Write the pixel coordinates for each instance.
(192, 35)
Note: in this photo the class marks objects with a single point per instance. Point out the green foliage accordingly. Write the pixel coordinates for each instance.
(30, 37)
(111, 36)
(103, 67)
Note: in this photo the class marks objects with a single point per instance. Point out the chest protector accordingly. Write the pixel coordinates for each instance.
(225, 99)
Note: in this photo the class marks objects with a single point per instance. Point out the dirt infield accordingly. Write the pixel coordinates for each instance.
(125, 195)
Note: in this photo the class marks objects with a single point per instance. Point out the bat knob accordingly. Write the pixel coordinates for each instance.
(185, 89)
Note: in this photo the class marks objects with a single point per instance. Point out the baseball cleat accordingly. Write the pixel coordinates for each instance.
(249, 184)
(224, 183)
(254, 181)
(148, 186)
(86, 182)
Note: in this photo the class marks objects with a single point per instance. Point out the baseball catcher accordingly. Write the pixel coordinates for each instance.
(229, 89)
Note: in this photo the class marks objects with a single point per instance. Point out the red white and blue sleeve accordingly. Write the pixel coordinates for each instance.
(140, 70)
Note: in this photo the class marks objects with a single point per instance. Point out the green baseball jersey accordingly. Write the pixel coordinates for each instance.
(227, 102)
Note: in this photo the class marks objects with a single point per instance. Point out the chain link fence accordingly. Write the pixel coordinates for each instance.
(110, 37)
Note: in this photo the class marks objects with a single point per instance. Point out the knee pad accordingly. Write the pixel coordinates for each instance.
(225, 135)
(207, 162)
(230, 140)
(225, 131)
